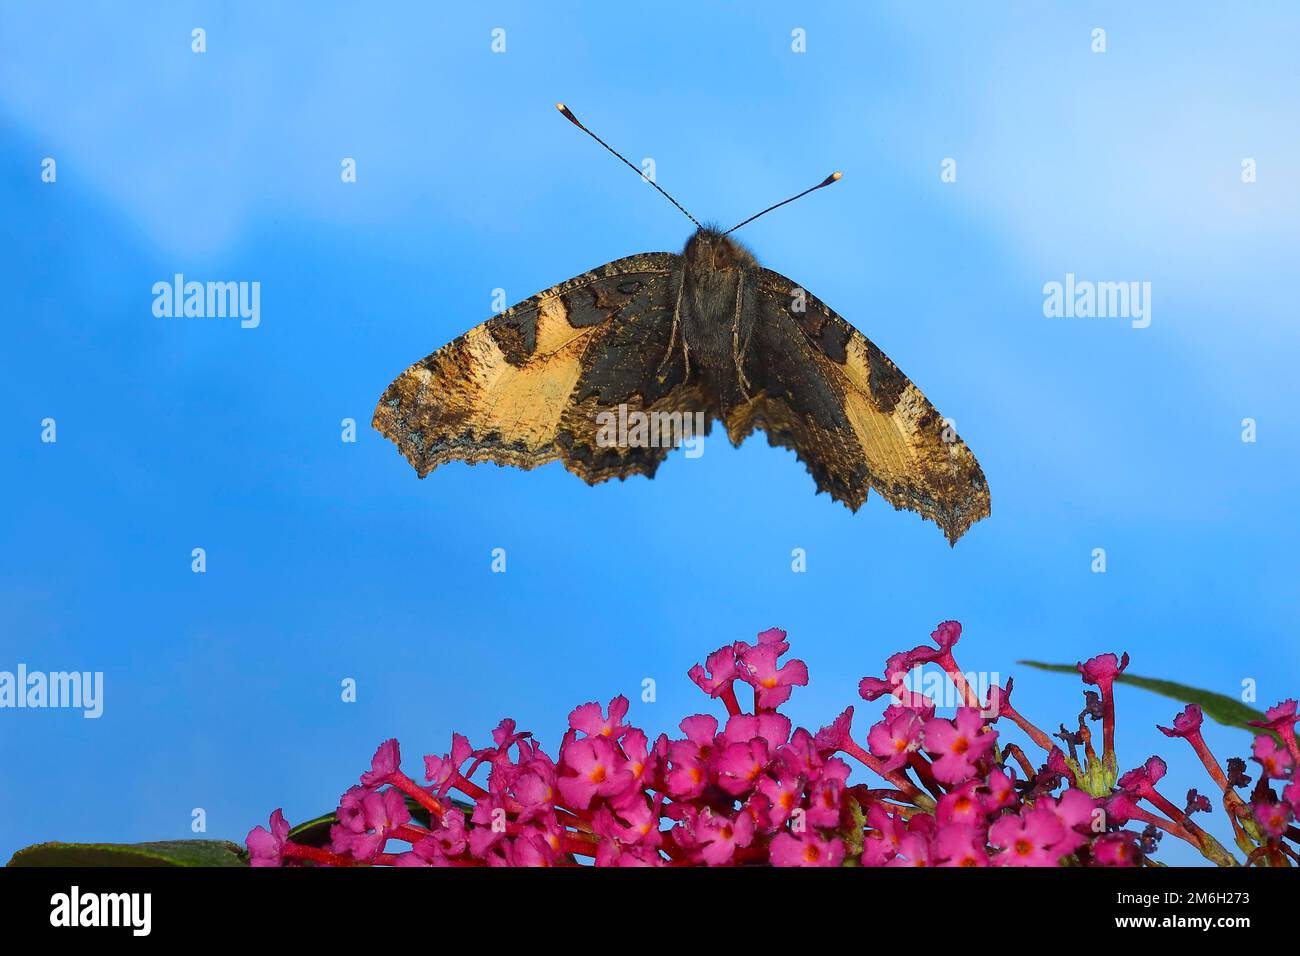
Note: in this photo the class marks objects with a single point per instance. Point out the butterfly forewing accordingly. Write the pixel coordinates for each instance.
(527, 386)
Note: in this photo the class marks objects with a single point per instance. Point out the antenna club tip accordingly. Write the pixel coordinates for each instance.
(836, 176)
(568, 115)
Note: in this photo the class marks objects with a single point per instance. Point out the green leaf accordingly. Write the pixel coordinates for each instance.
(165, 853)
(1226, 710)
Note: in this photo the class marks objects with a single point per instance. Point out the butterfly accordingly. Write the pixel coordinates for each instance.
(705, 335)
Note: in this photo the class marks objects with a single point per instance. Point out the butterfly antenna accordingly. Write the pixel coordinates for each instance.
(832, 178)
(568, 114)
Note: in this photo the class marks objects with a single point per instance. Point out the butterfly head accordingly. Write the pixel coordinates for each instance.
(710, 250)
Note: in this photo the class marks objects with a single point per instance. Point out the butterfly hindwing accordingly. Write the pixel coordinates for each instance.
(526, 387)
(850, 415)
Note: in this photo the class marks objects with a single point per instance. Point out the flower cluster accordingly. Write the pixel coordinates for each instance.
(754, 790)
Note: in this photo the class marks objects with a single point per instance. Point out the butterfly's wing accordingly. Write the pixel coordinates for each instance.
(824, 390)
(527, 386)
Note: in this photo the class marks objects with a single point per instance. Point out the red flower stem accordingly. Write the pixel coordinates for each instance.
(297, 851)
(1034, 734)
(578, 845)
(945, 660)
(410, 832)
(416, 792)
(1146, 816)
(1210, 848)
(864, 794)
(1108, 720)
(1019, 756)
(1232, 801)
(850, 747)
(925, 774)
(468, 787)
(728, 697)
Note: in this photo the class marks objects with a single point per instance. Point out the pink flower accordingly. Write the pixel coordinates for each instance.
(266, 847)
(1057, 768)
(757, 667)
(946, 635)
(761, 789)
(1102, 671)
(739, 765)
(380, 813)
(1029, 839)
(998, 704)
(639, 760)
(873, 688)
(782, 795)
(771, 727)
(959, 743)
(530, 848)
(774, 635)
(1121, 808)
(825, 797)
(720, 673)
(719, 837)
(999, 791)
(1116, 849)
(1280, 718)
(445, 842)
(386, 762)
(1186, 724)
(442, 771)
(960, 844)
(1142, 781)
(632, 820)
(531, 784)
(350, 813)
(1275, 760)
(831, 737)
(961, 805)
(505, 736)
(1273, 816)
(1076, 811)
(588, 719)
(689, 759)
(805, 849)
(596, 771)
(1292, 794)
(895, 740)
(913, 850)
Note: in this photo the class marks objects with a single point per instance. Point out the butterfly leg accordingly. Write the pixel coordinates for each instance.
(672, 338)
(737, 351)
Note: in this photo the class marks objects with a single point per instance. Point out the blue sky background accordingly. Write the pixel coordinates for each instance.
(329, 560)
